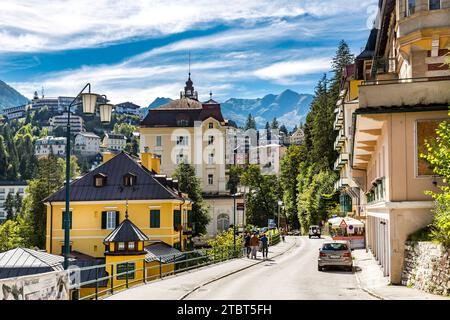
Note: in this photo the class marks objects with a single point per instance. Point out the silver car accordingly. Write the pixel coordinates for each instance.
(335, 253)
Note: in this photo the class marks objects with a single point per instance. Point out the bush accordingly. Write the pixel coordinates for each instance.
(423, 234)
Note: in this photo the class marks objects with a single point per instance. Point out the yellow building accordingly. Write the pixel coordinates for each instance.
(392, 100)
(187, 130)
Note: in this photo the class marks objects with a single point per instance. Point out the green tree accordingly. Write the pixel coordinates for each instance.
(262, 201)
(189, 183)
(10, 236)
(283, 129)
(275, 124)
(234, 177)
(439, 157)
(250, 123)
(9, 206)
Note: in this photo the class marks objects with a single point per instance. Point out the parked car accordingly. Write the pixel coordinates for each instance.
(314, 231)
(335, 253)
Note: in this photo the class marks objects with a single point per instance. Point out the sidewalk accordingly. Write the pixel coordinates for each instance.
(178, 286)
(371, 279)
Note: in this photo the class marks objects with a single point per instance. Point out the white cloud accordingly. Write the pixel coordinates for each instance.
(289, 69)
(37, 25)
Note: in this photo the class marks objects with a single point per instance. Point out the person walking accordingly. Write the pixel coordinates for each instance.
(265, 245)
(254, 244)
(247, 244)
(283, 235)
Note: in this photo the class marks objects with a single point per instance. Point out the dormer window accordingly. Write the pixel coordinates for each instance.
(99, 180)
(129, 180)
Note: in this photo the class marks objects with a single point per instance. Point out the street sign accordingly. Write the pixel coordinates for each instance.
(240, 206)
(350, 229)
(343, 225)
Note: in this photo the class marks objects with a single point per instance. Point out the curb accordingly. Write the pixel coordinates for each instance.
(370, 292)
(233, 272)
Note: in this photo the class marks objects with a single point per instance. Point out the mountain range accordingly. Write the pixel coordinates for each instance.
(289, 107)
(9, 97)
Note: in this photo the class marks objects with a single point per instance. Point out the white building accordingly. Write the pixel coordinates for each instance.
(76, 122)
(298, 137)
(114, 141)
(45, 146)
(54, 104)
(7, 187)
(87, 143)
(16, 112)
(127, 108)
(268, 157)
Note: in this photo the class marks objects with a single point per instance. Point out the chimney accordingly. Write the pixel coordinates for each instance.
(150, 162)
(107, 156)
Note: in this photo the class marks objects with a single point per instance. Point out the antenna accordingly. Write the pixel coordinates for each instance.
(189, 63)
(126, 209)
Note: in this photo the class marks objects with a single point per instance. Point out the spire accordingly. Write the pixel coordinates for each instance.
(126, 209)
(189, 91)
(210, 95)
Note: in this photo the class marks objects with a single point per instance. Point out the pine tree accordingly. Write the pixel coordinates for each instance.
(275, 124)
(250, 123)
(9, 206)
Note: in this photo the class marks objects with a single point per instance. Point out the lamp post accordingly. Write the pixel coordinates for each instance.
(89, 101)
(234, 218)
(280, 203)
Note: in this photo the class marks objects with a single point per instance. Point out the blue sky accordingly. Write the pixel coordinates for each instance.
(138, 50)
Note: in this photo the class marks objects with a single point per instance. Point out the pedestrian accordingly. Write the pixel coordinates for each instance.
(265, 245)
(254, 244)
(248, 249)
(283, 235)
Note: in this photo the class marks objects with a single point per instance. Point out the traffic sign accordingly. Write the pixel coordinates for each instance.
(343, 225)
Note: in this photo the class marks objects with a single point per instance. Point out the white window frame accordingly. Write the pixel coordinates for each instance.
(210, 140)
(210, 179)
(131, 245)
(408, 14)
(182, 140)
(180, 158)
(210, 158)
(110, 222)
(158, 141)
(440, 5)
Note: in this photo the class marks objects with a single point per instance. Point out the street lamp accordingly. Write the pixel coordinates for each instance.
(234, 220)
(89, 101)
(280, 203)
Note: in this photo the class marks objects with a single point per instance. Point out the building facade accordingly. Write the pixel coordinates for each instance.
(13, 188)
(187, 130)
(122, 188)
(87, 144)
(297, 138)
(76, 122)
(54, 104)
(392, 100)
(114, 141)
(127, 108)
(50, 145)
(16, 112)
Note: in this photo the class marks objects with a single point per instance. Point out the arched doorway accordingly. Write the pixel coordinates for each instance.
(223, 222)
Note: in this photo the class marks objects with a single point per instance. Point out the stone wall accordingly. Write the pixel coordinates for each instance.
(427, 267)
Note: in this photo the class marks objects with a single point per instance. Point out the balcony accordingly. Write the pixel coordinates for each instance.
(340, 140)
(341, 160)
(339, 121)
(341, 183)
(404, 92)
(420, 20)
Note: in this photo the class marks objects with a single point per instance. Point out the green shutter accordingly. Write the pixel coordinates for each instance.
(103, 219)
(189, 218)
(176, 218)
(155, 217)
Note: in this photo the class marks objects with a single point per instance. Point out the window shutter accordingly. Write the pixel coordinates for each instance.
(189, 217)
(176, 218)
(103, 219)
(154, 218)
(117, 218)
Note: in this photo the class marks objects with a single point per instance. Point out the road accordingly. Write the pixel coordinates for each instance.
(293, 275)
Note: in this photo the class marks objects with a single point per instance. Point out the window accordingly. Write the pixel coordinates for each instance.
(99, 180)
(211, 158)
(158, 141)
(121, 246)
(2, 190)
(130, 245)
(426, 130)
(180, 158)
(125, 270)
(11, 190)
(183, 123)
(129, 180)
(210, 140)
(155, 217)
(411, 7)
(210, 179)
(20, 190)
(110, 219)
(189, 218)
(70, 219)
(223, 222)
(210, 125)
(434, 4)
(182, 140)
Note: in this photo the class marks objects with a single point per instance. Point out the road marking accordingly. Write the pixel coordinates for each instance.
(183, 297)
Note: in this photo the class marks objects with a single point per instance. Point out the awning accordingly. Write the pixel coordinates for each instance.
(348, 221)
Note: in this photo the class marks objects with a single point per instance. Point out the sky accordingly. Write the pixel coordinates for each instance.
(139, 50)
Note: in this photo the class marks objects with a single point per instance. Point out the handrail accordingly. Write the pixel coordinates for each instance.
(200, 259)
(404, 80)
